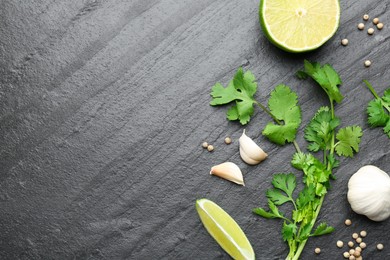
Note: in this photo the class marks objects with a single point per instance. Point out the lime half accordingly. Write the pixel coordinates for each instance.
(224, 230)
(299, 25)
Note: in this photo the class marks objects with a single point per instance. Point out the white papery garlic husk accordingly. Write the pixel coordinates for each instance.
(369, 193)
(229, 171)
(250, 152)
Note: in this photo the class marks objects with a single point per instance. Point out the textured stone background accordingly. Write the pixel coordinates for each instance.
(104, 105)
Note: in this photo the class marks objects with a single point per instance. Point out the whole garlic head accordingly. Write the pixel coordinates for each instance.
(369, 193)
(250, 152)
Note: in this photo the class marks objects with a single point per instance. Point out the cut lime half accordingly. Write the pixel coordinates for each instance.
(224, 230)
(299, 25)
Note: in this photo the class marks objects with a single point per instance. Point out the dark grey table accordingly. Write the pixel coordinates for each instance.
(103, 109)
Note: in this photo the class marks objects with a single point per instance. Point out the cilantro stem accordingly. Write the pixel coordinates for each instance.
(376, 95)
(269, 113)
(278, 122)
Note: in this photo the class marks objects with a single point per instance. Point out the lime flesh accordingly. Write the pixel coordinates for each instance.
(299, 25)
(224, 230)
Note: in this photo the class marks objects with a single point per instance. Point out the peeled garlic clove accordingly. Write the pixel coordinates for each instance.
(229, 171)
(369, 193)
(250, 152)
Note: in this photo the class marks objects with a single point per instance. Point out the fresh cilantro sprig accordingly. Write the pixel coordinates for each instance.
(378, 110)
(283, 106)
(323, 135)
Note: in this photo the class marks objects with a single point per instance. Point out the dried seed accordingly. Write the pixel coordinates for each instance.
(367, 63)
(363, 233)
(357, 253)
(228, 140)
(317, 250)
(350, 244)
(361, 26)
(344, 42)
(370, 31)
(348, 222)
(210, 148)
(359, 240)
(205, 144)
(362, 245)
(379, 26)
(346, 255)
(340, 244)
(375, 20)
(355, 235)
(358, 249)
(352, 257)
(379, 247)
(351, 251)
(366, 17)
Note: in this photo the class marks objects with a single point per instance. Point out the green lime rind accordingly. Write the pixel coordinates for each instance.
(224, 229)
(284, 47)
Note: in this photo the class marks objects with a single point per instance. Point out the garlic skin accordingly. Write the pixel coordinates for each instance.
(229, 171)
(250, 152)
(369, 193)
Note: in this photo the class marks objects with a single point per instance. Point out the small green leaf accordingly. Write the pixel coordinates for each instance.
(306, 196)
(285, 182)
(264, 213)
(277, 197)
(323, 229)
(289, 231)
(349, 140)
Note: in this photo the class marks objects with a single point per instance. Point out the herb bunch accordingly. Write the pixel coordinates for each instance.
(323, 134)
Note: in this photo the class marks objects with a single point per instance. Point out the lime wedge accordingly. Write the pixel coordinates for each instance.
(299, 25)
(224, 230)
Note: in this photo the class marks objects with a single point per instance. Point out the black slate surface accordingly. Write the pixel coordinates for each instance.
(104, 105)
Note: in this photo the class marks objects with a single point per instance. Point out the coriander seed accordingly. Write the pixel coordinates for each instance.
(317, 250)
(375, 20)
(205, 144)
(351, 251)
(362, 245)
(210, 148)
(348, 222)
(370, 31)
(379, 26)
(367, 63)
(358, 248)
(359, 240)
(363, 233)
(340, 244)
(344, 42)
(350, 244)
(379, 247)
(361, 26)
(352, 257)
(346, 255)
(228, 140)
(357, 253)
(355, 235)
(366, 17)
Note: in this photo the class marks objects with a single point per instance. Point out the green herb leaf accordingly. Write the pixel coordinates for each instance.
(306, 196)
(319, 131)
(349, 140)
(325, 76)
(283, 104)
(288, 231)
(239, 90)
(277, 197)
(265, 214)
(323, 229)
(285, 182)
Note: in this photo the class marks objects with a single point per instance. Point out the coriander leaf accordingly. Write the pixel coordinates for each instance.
(334, 163)
(299, 160)
(305, 232)
(274, 209)
(319, 131)
(285, 182)
(239, 90)
(306, 196)
(264, 213)
(323, 229)
(325, 76)
(377, 115)
(288, 231)
(277, 197)
(386, 129)
(348, 140)
(283, 104)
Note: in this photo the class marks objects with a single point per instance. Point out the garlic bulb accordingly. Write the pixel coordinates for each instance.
(229, 171)
(369, 193)
(250, 152)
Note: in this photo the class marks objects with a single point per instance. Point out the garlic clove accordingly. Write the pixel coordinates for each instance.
(369, 193)
(250, 152)
(229, 171)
